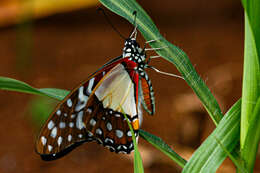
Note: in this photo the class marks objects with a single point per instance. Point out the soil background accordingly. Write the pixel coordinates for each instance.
(62, 50)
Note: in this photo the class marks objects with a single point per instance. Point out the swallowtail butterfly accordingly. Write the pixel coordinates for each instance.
(94, 111)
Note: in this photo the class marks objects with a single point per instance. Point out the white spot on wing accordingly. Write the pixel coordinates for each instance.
(117, 115)
(129, 133)
(71, 124)
(119, 147)
(80, 135)
(58, 112)
(59, 140)
(82, 100)
(109, 126)
(89, 110)
(92, 122)
(109, 140)
(72, 116)
(79, 122)
(62, 125)
(99, 131)
(50, 148)
(54, 132)
(69, 102)
(50, 124)
(44, 140)
(69, 137)
(119, 133)
(90, 85)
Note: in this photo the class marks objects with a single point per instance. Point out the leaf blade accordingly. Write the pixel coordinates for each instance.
(170, 52)
(163, 147)
(209, 156)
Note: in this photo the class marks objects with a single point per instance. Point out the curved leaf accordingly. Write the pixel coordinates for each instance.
(171, 53)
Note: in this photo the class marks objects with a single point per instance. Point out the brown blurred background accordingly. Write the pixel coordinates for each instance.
(61, 50)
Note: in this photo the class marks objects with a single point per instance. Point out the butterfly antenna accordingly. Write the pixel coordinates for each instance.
(134, 33)
(110, 23)
(165, 73)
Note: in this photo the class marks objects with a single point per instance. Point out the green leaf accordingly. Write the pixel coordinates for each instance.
(234, 160)
(163, 147)
(251, 81)
(169, 52)
(209, 156)
(58, 94)
(16, 85)
(251, 89)
(252, 139)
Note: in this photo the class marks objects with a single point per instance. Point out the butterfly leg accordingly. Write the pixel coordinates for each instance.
(151, 41)
(154, 49)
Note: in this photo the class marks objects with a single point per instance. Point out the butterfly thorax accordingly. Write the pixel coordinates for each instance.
(135, 53)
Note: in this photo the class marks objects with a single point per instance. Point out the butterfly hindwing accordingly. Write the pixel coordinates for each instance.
(109, 127)
(147, 94)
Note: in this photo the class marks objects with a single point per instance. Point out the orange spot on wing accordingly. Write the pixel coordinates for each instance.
(135, 124)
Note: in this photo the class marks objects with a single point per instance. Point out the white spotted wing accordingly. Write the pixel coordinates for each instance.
(65, 128)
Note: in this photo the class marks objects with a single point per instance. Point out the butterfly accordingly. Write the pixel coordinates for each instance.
(94, 111)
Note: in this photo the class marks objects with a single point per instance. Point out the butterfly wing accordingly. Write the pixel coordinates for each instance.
(77, 118)
(147, 93)
(64, 130)
(114, 96)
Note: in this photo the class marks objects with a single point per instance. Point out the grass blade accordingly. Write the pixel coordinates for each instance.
(171, 53)
(209, 156)
(163, 147)
(249, 151)
(234, 160)
(138, 163)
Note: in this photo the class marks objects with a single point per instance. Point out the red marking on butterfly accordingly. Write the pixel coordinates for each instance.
(93, 110)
